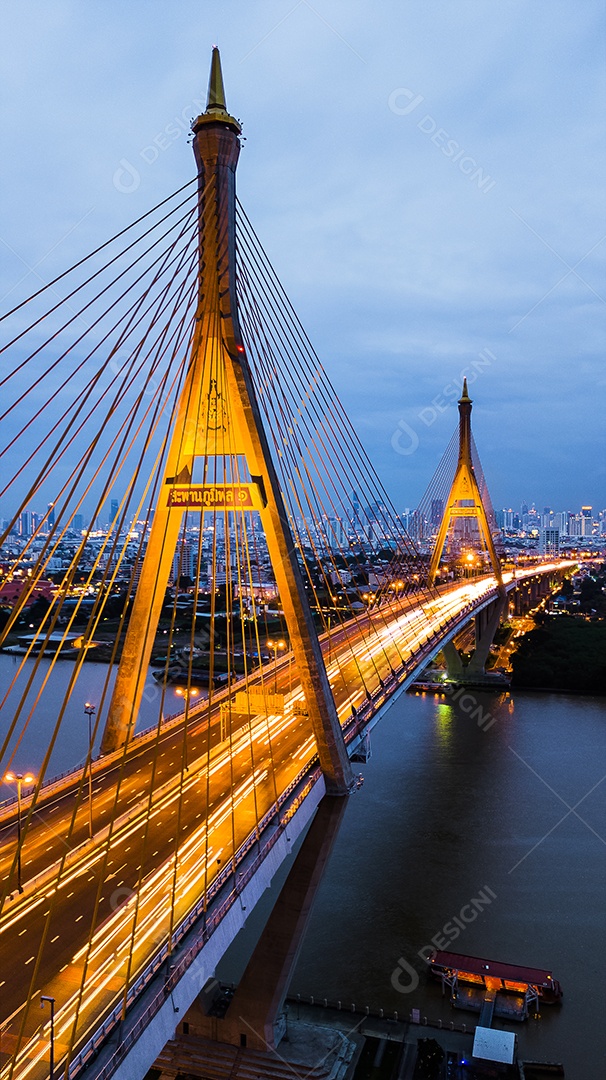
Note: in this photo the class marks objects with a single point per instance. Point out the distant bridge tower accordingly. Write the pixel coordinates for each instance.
(465, 499)
(466, 510)
(218, 433)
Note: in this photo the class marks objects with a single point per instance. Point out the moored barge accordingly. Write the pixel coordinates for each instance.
(512, 989)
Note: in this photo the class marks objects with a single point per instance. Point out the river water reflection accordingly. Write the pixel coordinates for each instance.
(513, 811)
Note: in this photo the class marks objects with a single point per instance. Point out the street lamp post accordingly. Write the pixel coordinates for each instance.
(51, 1001)
(19, 779)
(277, 647)
(186, 692)
(89, 709)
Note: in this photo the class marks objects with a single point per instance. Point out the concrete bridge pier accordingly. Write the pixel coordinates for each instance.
(486, 625)
(454, 663)
(254, 1018)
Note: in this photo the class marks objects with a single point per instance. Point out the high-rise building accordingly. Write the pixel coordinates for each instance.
(586, 520)
(25, 524)
(437, 511)
(51, 515)
(185, 561)
(114, 508)
(336, 537)
(549, 542)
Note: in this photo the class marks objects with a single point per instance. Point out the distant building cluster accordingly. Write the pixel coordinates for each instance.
(550, 531)
(349, 552)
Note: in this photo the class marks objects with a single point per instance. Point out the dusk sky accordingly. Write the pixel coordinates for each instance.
(427, 178)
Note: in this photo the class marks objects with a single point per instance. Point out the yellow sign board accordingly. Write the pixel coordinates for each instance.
(212, 496)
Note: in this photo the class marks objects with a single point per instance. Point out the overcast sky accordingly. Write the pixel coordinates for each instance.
(427, 178)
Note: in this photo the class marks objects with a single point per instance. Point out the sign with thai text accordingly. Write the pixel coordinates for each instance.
(212, 496)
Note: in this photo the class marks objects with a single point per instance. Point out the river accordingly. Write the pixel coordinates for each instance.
(513, 813)
(36, 725)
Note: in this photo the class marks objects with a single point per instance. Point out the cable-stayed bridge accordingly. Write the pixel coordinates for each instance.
(240, 538)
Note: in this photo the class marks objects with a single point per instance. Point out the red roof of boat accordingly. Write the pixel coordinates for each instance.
(478, 965)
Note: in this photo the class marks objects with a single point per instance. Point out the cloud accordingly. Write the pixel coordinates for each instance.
(395, 256)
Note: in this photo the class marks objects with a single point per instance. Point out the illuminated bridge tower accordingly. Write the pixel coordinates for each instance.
(463, 508)
(219, 456)
(464, 500)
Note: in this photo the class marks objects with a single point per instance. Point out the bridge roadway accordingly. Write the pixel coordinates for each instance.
(45, 931)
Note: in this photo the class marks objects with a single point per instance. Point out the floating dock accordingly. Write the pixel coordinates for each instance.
(492, 988)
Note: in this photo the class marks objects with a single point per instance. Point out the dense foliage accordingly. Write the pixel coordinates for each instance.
(563, 653)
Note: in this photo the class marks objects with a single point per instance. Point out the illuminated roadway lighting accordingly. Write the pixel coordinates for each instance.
(19, 779)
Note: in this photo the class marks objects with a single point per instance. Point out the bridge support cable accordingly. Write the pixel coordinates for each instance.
(300, 412)
(29, 818)
(309, 385)
(60, 528)
(105, 345)
(51, 534)
(111, 345)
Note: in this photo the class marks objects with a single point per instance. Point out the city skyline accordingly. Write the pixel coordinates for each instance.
(527, 514)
